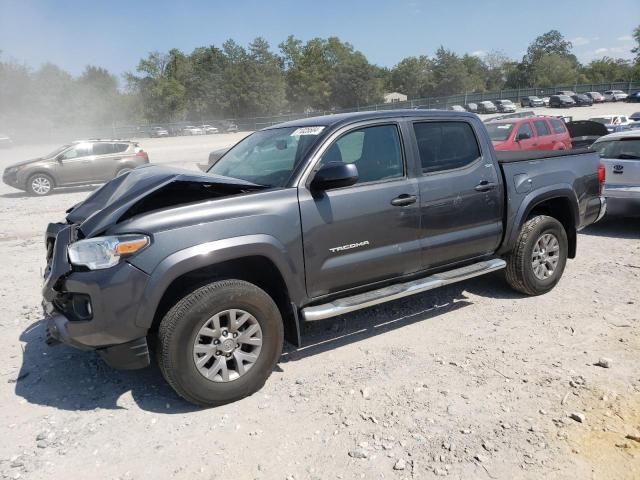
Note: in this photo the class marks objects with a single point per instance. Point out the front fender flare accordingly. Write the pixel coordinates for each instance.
(212, 253)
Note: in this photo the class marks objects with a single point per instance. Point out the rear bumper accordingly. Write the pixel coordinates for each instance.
(93, 310)
(624, 206)
(623, 192)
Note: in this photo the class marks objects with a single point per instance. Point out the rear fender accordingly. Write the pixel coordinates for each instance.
(534, 199)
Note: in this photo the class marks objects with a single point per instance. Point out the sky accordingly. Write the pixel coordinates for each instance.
(116, 34)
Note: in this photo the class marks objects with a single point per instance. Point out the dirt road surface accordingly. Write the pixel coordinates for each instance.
(472, 381)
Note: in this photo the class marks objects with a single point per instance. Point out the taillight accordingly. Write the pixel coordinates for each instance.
(602, 175)
(143, 154)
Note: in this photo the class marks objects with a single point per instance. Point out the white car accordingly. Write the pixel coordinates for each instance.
(191, 130)
(620, 154)
(209, 129)
(614, 95)
(612, 122)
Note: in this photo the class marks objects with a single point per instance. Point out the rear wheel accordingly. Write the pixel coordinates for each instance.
(220, 343)
(40, 184)
(537, 261)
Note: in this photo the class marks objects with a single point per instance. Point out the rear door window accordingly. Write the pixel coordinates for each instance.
(541, 127)
(558, 125)
(102, 148)
(120, 147)
(445, 145)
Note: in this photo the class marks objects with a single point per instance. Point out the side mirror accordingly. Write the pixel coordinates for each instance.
(60, 157)
(523, 136)
(334, 175)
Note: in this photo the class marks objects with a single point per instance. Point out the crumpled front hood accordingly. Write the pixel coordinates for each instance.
(124, 195)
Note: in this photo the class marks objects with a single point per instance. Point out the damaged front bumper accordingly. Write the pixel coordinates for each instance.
(93, 310)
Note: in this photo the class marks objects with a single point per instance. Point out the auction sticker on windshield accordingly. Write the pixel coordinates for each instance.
(307, 131)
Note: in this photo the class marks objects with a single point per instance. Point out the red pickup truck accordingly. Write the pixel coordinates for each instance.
(529, 133)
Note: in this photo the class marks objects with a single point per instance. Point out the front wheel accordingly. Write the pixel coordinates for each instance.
(220, 343)
(40, 185)
(539, 256)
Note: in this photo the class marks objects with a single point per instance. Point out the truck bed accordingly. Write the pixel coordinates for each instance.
(522, 156)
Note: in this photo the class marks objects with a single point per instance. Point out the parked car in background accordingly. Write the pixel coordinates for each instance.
(191, 130)
(456, 108)
(635, 116)
(487, 107)
(612, 122)
(582, 100)
(546, 101)
(634, 97)
(614, 95)
(213, 158)
(231, 128)
(157, 132)
(79, 163)
(561, 101)
(472, 107)
(505, 106)
(209, 129)
(620, 155)
(568, 93)
(596, 97)
(584, 132)
(531, 101)
(5, 141)
(529, 133)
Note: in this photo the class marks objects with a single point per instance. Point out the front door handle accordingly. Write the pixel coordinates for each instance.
(485, 186)
(404, 200)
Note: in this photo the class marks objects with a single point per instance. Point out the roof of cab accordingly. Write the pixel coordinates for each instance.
(338, 119)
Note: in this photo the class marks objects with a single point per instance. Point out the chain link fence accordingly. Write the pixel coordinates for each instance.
(62, 134)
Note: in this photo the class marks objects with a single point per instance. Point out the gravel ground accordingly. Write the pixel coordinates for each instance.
(470, 381)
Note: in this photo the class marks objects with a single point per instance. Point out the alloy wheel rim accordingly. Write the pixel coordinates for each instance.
(41, 185)
(545, 256)
(227, 345)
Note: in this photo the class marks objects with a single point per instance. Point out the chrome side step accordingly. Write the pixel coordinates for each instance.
(344, 305)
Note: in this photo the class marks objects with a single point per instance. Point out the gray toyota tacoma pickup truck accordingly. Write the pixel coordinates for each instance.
(301, 222)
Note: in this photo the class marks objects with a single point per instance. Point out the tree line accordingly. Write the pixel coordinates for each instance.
(321, 74)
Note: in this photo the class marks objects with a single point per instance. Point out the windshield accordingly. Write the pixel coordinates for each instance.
(267, 157)
(499, 132)
(622, 149)
(57, 151)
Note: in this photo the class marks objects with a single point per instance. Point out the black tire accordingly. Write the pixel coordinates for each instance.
(520, 271)
(179, 327)
(42, 179)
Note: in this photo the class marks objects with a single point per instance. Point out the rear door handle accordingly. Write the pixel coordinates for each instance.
(404, 200)
(485, 186)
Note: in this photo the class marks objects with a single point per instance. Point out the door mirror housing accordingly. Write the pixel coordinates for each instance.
(334, 175)
(523, 136)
